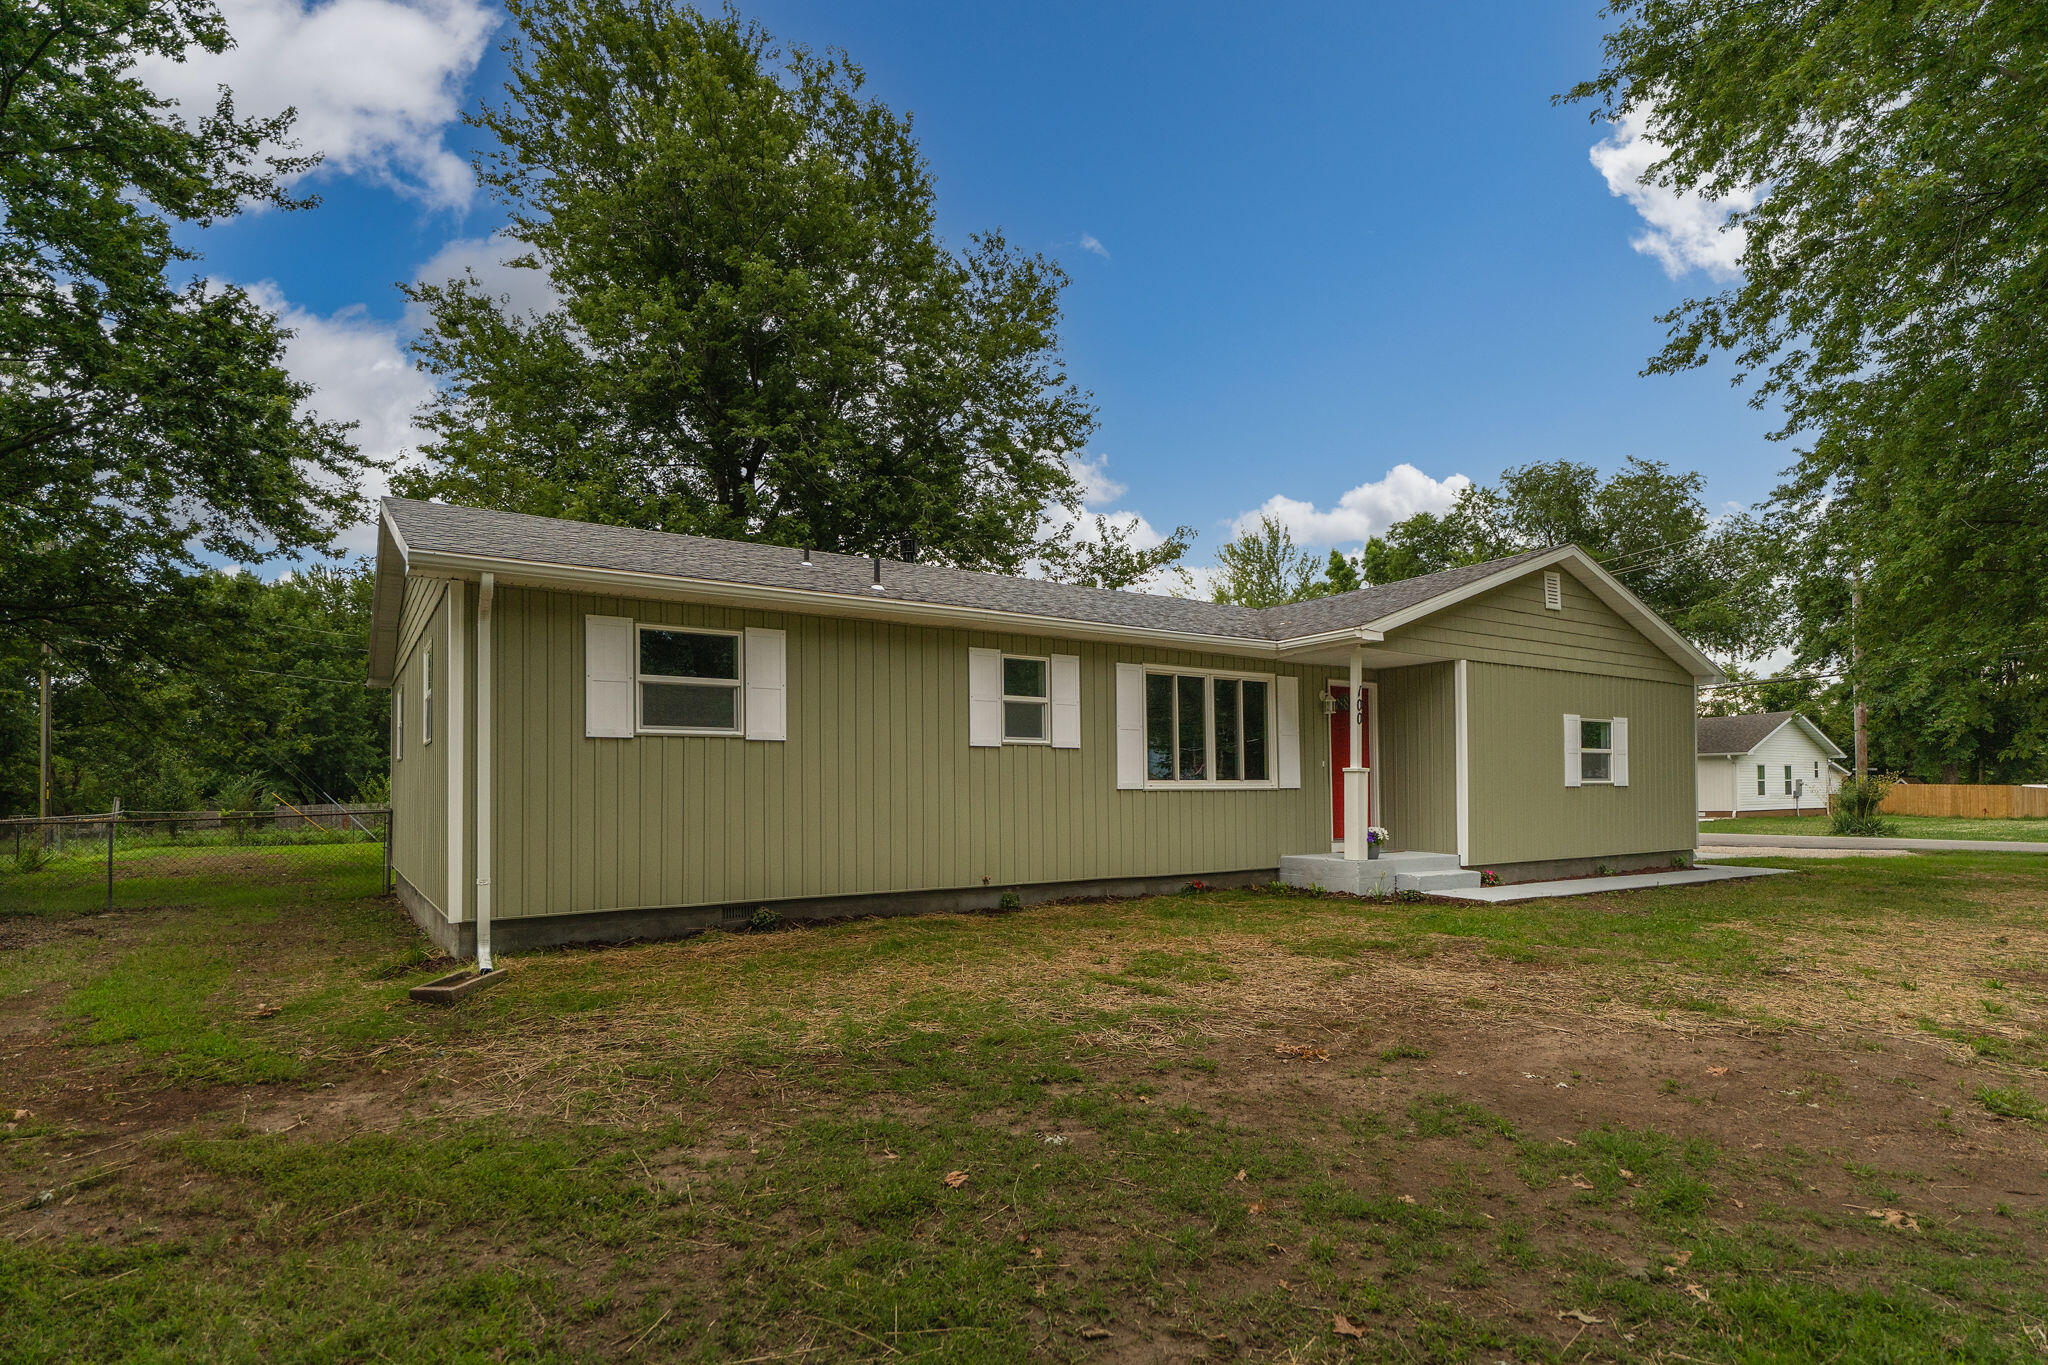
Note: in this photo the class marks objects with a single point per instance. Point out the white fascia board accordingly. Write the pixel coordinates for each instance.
(1605, 586)
(626, 583)
(386, 607)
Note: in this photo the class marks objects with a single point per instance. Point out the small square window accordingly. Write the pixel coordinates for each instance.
(1026, 699)
(689, 681)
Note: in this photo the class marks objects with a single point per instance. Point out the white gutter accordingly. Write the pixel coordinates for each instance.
(483, 772)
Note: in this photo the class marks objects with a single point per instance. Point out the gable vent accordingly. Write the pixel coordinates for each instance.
(1553, 590)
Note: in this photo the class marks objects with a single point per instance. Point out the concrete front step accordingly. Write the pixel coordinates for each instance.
(1388, 872)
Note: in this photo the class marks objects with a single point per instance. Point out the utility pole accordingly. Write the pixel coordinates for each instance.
(1856, 682)
(43, 761)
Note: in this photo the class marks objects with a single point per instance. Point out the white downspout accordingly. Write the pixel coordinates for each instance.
(483, 773)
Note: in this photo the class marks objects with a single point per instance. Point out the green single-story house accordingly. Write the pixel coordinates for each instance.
(605, 733)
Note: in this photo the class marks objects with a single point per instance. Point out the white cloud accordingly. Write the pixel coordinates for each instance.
(375, 82)
(1098, 489)
(1361, 512)
(519, 289)
(1089, 242)
(1685, 231)
(360, 372)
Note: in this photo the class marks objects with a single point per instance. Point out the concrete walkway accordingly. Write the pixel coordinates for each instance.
(1593, 886)
(1762, 841)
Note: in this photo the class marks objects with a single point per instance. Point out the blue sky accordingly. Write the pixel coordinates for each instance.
(1309, 244)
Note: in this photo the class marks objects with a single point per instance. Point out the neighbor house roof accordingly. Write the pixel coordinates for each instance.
(1721, 735)
(432, 537)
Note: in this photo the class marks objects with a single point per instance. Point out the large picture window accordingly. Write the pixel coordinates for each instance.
(1208, 728)
(689, 681)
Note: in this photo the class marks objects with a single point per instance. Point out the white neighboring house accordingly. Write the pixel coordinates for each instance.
(1775, 763)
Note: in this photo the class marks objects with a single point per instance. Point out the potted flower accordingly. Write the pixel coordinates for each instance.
(1374, 837)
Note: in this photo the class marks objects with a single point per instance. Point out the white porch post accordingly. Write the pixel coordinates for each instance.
(1357, 812)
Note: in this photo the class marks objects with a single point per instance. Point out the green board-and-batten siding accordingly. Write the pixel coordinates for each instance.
(419, 770)
(1521, 809)
(1418, 758)
(875, 790)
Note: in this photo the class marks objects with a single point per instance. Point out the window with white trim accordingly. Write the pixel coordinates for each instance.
(1788, 779)
(1212, 728)
(689, 681)
(1027, 699)
(1816, 770)
(427, 698)
(1596, 750)
(1762, 782)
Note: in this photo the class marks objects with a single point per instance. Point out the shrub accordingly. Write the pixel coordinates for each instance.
(1011, 901)
(1856, 804)
(764, 920)
(1195, 888)
(1488, 877)
(34, 856)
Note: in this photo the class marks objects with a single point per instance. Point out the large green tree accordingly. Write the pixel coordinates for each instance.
(1645, 523)
(147, 424)
(1893, 302)
(758, 334)
(284, 710)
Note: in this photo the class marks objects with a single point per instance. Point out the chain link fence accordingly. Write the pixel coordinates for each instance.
(142, 857)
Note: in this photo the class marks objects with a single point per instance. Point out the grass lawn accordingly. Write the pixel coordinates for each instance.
(1795, 1118)
(2026, 829)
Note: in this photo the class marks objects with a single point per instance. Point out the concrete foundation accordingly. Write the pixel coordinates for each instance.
(529, 932)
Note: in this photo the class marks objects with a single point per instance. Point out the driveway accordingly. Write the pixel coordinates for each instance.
(1756, 842)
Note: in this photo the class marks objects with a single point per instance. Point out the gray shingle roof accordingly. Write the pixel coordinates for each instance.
(1738, 734)
(432, 526)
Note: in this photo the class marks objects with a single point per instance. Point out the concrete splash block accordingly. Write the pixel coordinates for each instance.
(446, 990)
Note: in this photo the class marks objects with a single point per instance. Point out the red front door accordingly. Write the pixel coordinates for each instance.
(1340, 758)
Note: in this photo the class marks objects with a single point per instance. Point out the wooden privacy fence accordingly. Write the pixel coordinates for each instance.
(1966, 799)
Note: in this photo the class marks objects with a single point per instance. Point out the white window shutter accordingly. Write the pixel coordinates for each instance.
(1066, 701)
(985, 698)
(767, 674)
(1620, 760)
(1287, 721)
(1571, 751)
(1130, 727)
(609, 672)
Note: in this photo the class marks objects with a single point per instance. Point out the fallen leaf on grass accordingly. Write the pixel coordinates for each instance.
(1626, 1173)
(1345, 1327)
(1717, 1071)
(1580, 1182)
(1095, 1333)
(1896, 1218)
(1567, 1142)
(1699, 1292)
(1407, 1198)
(1239, 1176)
(1582, 1317)
(1254, 1208)
(265, 1010)
(1678, 1262)
(955, 1179)
(1304, 1051)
